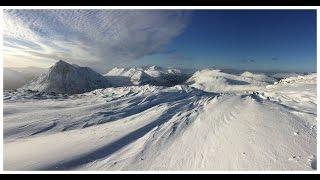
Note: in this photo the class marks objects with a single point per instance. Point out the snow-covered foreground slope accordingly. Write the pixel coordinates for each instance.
(165, 128)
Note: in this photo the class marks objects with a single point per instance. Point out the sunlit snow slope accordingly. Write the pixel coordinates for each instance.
(217, 121)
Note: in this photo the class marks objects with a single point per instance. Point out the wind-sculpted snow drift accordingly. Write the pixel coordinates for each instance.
(215, 121)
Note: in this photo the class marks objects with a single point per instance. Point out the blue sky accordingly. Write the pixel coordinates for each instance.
(254, 39)
(263, 40)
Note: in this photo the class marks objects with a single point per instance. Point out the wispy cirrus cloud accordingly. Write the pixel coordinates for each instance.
(95, 38)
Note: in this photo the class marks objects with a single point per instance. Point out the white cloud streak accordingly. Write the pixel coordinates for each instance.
(95, 38)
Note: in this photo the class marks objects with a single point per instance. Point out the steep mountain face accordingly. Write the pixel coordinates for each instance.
(64, 78)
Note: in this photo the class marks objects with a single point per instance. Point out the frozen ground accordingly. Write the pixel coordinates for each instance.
(216, 121)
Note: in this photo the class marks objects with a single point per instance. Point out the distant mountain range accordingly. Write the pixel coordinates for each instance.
(153, 75)
(65, 78)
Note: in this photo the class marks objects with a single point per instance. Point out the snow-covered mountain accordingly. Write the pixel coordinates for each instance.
(127, 77)
(310, 78)
(152, 75)
(214, 80)
(64, 78)
(258, 77)
(284, 75)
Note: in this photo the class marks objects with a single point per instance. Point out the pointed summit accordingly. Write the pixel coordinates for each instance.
(64, 78)
(61, 61)
(62, 64)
